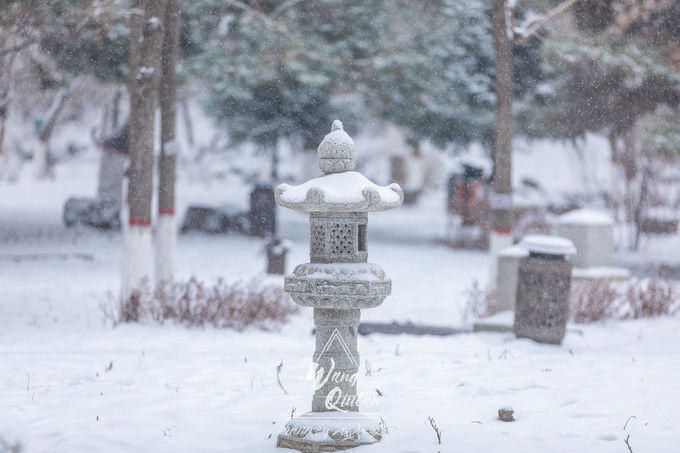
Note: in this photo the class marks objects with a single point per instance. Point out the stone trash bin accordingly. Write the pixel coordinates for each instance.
(277, 251)
(542, 305)
(262, 213)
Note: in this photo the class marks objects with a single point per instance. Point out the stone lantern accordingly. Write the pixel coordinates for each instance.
(337, 282)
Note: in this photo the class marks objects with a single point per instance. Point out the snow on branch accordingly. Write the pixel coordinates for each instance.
(51, 115)
(534, 23)
(154, 22)
(145, 71)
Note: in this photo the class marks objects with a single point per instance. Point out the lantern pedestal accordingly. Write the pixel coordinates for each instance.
(331, 431)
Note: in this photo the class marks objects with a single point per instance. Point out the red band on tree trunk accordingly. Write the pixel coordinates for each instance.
(502, 230)
(166, 211)
(140, 222)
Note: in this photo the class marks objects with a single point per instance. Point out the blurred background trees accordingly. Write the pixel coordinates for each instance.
(615, 72)
(270, 71)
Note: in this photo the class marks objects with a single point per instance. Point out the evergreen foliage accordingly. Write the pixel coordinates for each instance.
(625, 66)
(430, 72)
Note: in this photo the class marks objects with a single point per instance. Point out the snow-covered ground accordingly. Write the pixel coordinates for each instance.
(70, 382)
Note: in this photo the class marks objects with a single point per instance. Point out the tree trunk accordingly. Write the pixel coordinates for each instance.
(639, 208)
(143, 102)
(115, 110)
(166, 231)
(10, 161)
(6, 64)
(136, 14)
(41, 151)
(136, 20)
(501, 198)
(275, 162)
(629, 165)
(191, 154)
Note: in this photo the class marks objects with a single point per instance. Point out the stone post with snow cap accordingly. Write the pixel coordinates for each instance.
(592, 232)
(337, 282)
(542, 304)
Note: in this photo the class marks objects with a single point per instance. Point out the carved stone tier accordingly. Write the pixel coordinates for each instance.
(338, 285)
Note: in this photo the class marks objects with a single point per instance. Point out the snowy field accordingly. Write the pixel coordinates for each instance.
(70, 382)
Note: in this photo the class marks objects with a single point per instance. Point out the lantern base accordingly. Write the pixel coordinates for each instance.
(331, 431)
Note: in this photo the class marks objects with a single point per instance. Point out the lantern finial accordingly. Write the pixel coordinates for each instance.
(336, 151)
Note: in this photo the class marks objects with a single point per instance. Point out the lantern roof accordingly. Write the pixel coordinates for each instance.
(340, 189)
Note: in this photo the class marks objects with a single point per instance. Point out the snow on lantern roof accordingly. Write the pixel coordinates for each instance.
(548, 245)
(339, 190)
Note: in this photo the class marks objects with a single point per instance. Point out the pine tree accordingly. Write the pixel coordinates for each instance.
(621, 69)
(437, 77)
(281, 72)
(65, 38)
(285, 72)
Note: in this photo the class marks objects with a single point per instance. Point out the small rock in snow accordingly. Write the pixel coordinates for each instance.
(505, 414)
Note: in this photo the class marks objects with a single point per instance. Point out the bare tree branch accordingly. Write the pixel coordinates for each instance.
(284, 6)
(17, 47)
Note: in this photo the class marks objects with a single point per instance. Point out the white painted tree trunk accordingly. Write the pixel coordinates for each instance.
(166, 237)
(40, 154)
(497, 242)
(136, 259)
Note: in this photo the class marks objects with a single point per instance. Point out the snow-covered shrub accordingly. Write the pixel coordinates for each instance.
(651, 297)
(231, 305)
(480, 302)
(597, 300)
(592, 301)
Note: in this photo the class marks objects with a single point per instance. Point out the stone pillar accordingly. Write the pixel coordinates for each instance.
(542, 305)
(337, 360)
